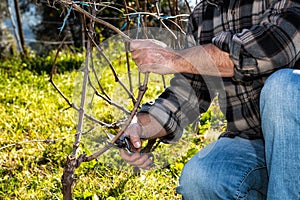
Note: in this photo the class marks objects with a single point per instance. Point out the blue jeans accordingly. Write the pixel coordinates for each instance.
(237, 168)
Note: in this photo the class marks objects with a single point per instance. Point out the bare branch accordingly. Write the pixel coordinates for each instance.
(142, 91)
(113, 70)
(89, 10)
(108, 100)
(97, 79)
(53, 71)
(126, 44)
(94, 18)
(82, 101)
(34, 141)
(161, 19)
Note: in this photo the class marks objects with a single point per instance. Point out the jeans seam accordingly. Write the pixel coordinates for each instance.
(247, 173)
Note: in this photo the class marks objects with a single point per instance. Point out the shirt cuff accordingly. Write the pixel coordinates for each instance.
(223, 41)
(166, 118)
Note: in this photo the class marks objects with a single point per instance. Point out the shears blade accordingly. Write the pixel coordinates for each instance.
(122, 143)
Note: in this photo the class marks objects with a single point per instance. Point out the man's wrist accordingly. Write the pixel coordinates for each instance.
(151, 128)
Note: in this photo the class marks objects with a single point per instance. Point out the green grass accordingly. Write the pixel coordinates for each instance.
(31, 110)
(37, 133)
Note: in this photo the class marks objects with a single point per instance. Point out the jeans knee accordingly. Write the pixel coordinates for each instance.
(279, 101)
(197, 182)
(280, 84)
(277, 91)
(202, 181)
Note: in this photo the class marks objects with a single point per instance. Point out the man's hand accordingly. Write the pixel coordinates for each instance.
(138, 159)
(154, 56)
(143, 127)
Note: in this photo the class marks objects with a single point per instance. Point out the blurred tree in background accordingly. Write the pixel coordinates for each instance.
(42, 20)
(7, 43)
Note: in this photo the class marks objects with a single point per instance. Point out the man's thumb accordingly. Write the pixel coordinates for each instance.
(134, 134)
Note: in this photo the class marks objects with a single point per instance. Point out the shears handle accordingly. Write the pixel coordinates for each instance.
(125, 143)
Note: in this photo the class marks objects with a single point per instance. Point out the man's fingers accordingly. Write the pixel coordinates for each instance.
(134, 132)
(143, 161)
(137, 44)
(130, 157)
(140, 161)
(148, 164)
(146, 43)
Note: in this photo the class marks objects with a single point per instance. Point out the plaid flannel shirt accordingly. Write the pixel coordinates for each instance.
(261, 37)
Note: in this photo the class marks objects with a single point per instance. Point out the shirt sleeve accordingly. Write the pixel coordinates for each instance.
(179, 105)
(272, 44)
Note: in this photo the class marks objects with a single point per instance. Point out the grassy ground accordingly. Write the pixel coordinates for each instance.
(37, 133)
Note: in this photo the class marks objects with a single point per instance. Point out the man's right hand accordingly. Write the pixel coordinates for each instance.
(142, 128)
(137, 158)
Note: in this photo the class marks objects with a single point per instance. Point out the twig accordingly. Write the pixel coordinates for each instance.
(93, 119)
(34, 141)
(188, 5)
(82, 101)
(142, 91)
(53, 70)
(126, 45)
(158, 13)
(94, 18)
(160, 18)
(97, 79)
(112, 69)
(108, 100)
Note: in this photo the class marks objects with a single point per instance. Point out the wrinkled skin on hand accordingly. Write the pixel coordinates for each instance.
(142, 127)
(138, 159)
(154, 56)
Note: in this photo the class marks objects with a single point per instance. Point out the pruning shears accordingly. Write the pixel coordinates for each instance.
(124, 143)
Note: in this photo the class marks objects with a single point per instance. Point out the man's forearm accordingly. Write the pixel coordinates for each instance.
(150, 56)
(206, 60)
(151, 127)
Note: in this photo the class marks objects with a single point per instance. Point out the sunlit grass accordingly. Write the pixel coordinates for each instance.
(37, 133)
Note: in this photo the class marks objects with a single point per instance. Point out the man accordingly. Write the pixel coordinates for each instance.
(246, 52)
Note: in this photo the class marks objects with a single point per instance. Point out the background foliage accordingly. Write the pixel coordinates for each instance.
(37, 133)
(37, 127)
